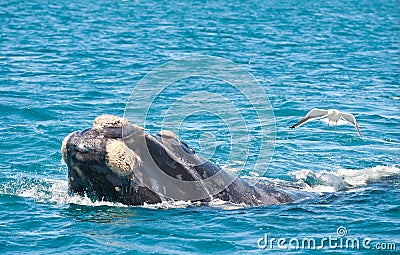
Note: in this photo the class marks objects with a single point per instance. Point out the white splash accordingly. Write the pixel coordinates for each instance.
(342, 179)
(50, 191)
(215, 203)
(56, 191)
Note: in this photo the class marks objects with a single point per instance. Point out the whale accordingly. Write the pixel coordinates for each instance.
(117, 161)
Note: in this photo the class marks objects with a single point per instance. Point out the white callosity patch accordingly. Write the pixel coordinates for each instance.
(120, 158)
(174, 149)
(168, 135)
(109, 121)
(137, 128)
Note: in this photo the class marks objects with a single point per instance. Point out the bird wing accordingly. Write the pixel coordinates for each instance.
(313, 114)
(351, 119)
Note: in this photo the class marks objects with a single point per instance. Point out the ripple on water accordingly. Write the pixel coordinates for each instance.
(65, 63)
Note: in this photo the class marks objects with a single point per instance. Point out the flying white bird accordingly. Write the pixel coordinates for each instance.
(333, 116)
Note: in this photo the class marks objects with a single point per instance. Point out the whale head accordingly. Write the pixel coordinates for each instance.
(101, 166)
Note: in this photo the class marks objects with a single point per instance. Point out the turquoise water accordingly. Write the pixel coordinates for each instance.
(64, 63)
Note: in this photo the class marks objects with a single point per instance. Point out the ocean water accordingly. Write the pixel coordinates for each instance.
(65, 62)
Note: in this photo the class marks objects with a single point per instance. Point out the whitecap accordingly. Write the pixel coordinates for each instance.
(342, 179)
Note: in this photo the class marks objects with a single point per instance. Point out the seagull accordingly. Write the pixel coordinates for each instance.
(333, 116)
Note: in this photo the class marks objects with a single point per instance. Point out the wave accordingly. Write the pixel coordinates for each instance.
(56, 191)
(49, 191)
(343, 179)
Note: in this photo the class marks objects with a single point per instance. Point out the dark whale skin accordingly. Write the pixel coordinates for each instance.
(106, 165)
